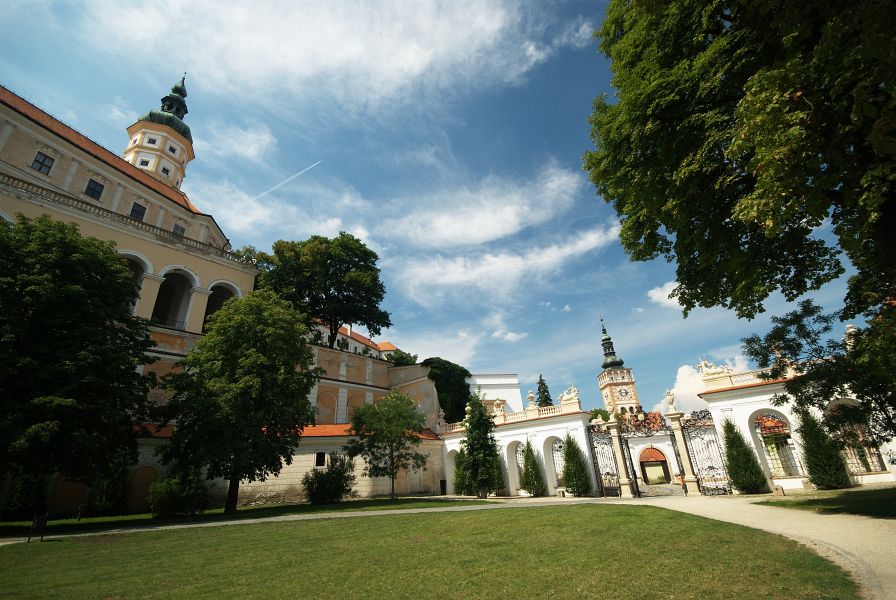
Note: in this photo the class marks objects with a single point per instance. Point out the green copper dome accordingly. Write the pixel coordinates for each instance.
(610, 358)
(174, 109)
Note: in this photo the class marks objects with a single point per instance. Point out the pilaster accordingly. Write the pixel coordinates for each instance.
(149, 291)
(198, 304)
(625, 484)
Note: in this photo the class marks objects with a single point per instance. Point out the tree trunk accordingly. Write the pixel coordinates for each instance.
(392, 493)
(233, 491)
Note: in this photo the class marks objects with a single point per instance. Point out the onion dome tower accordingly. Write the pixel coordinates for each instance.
(161, 143)
(616, 383)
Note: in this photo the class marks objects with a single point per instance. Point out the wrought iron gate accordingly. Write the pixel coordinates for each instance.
(638, 426)
(706, 453)
(605, 471)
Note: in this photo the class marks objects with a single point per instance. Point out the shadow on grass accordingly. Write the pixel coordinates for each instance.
(93, 524)
(879, 503)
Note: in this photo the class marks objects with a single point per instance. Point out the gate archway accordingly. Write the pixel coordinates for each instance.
(654, 467)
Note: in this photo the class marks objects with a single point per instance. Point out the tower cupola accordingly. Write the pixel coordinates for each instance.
(610, 358)
(161, 143)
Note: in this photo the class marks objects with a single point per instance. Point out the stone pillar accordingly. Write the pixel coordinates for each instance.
(343, 365)
(690, 479)
(149, 291)
(625, 484)
(342, 406)
(196, 310)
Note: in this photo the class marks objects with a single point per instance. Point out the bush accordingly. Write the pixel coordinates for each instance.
(575, 469)
(821, 455)
(26, 496)
(463, 486)
(178, 495)
(532, 480)
(110, 486)
(743, 467)
(325, 486)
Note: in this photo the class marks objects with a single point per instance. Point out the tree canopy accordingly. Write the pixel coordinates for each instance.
(741, 132)
(241, 399)
(544, 394)
(400, 358)
(334, 281)
(69, 351)
(450, 380)
(387, 435)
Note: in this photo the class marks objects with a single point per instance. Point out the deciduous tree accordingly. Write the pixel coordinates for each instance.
(387, 435)
(69, 351)
(400, 358)
(240, 401)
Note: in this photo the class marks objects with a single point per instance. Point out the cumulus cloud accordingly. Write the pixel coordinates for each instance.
(688, 383)
(253, 143)
(458, 346)
(496, 321)
(119, 113)
(660, 295)
(489, 210)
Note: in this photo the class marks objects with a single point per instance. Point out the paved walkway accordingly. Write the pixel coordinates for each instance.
(864, 546)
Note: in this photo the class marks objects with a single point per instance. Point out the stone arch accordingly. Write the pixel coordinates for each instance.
(553, 463)
(514, 469)
(188, 273)
(234, 288)
(134, 257)
(771, 432)
(221, 292)
(450, 459)
(140, 479)
(355, 399)
(654, 466)
(326, 407)
(172, 303)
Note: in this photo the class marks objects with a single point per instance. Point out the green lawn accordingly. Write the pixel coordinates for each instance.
(573, 551)
(64, 526)
(879, 502)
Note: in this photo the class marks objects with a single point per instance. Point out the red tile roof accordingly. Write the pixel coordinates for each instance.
(360, 338)
(312, 431)
(47, 121)
(387, 346)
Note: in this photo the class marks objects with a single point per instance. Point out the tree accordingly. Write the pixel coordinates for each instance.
(544, 394)
(483, 462)
(743, 467)
(532, 479)
(240, 401)
(739, 129)
(821, 454)
(333, 281)
(69, 350)
(400, 358)
(387, 435)
(575, 470)
(753, 146)
(450, 380)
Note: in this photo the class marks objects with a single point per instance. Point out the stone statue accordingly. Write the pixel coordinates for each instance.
(570, 394)
(708, 368)
(531, 398)
(669, 398)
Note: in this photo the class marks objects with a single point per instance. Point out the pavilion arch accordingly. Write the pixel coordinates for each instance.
(771, 433)
(135, 258)
(654, 466)
(450, 460)
(221, 291)
(860, 452)
(6, 217)
(514, 467)
(326, 407)
(553, 462)
(173, 300)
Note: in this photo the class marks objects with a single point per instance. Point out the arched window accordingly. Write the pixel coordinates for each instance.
(172, 302)
(220, 294)
(557, 454)
(773, 431)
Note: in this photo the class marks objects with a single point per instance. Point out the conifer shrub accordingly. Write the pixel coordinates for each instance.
(821, 454)
(462, 484)
(532, 479)
(743, 467)
(326, 486)
(178, 495)
(575, 469)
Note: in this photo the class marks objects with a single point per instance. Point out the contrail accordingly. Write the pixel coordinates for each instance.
(287, 180)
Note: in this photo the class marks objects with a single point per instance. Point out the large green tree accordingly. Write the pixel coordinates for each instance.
(483, 462)
(240, 401)
(575, 468)
(400, 358)
(334, 281)
(387, 435)
(70, 349)
(738, 129)
(451, 384)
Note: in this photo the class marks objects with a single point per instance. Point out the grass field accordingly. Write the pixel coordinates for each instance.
(573, 551)
(879, 502)
(66, 526)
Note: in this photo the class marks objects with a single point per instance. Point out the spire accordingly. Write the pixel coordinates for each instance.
(610, 358)
(173, 110)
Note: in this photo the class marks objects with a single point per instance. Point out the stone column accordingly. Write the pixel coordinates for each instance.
(196, 311)
(342, 406)
(149, 291)
(625, 484)
(690, 479)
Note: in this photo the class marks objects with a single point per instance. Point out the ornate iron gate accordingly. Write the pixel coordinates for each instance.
(605, 472)
(706, 453)
(644, 425)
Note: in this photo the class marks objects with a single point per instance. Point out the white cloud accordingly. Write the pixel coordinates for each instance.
(364, 54)
(660, 295)
(566, 308)
(497, 322)
(688, 383)
(119, 113)
(498, 274)
(253, 143)
(492, 209)
(458, 346)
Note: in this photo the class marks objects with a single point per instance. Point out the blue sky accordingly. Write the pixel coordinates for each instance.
(449, 138)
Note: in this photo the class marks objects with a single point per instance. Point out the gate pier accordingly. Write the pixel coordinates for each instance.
(690, 479)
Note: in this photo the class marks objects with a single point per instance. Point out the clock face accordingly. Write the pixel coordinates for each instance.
(623, 393)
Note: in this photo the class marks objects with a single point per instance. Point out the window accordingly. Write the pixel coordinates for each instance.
(320, 459)
(172, 150)
(94, 189)
(152, 141)
(179, 229)
(144, 162)
(42, 163)
(166, 171)
(138, 211)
